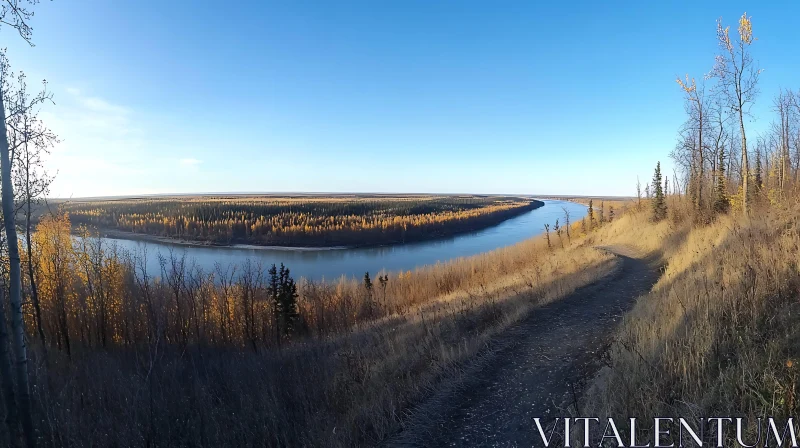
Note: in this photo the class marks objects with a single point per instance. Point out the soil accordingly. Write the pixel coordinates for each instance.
(537, 368)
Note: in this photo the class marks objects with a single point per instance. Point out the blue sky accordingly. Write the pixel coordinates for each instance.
(406, 96)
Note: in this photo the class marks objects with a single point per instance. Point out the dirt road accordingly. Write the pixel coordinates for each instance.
(538, 369)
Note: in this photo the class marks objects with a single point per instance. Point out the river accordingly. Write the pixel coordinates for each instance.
(318, 264)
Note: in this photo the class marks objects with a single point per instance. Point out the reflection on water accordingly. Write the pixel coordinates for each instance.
(333, 263)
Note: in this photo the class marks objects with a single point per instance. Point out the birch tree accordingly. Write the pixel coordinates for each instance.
(696, 124)
(738, 75)
(15, 14)
(30, 140)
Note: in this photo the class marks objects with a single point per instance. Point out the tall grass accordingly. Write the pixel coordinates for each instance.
(351, 385)
(717, 335)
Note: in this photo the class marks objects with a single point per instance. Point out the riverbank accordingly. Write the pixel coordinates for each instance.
(483, 224)
(294, 223)
(122, 235)
(354, 262)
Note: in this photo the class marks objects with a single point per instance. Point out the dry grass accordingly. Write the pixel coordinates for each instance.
(717, 334)
(350, 387)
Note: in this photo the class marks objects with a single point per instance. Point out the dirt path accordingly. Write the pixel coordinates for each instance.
(533, 368)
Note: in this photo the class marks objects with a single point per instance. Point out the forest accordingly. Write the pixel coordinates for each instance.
(307, 221)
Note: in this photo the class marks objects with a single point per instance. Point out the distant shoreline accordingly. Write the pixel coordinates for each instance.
(130, 236)
(143, 237)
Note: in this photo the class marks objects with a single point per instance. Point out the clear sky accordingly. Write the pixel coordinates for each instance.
(378, 96)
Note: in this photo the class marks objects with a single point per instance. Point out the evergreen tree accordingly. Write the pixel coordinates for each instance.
(274, 294)
(368, 293)
(601, 213)
(283, 294)
(383, 280)
(721, 201)
(659, 204)
(759, 180)
(610, 213)
(288, 300)
(591, 215)
(367, 283)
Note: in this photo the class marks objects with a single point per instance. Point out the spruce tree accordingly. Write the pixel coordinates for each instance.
(288, 300)
(591, 215)
(759, 180)
(721, 201)
(659, 204)
(367, 283)
(283, 294)
(274, 294)
(601, 213)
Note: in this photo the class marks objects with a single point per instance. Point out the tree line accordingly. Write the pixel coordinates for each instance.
(300, 222)
(720, 164)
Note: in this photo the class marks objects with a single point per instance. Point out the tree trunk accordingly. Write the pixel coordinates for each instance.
(701, 168)
(15, 286)
(32, 278)
(745, 168)
(12, 419)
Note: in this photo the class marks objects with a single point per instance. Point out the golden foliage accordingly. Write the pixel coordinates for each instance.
(306, 221)
(746, 29)
(688, 86)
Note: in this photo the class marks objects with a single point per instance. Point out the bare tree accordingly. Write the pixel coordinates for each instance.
(547, 234)
(559, 230)
(15, 14)
(717, 126)
(784, 107)
(738, 80)
(30, 140)
(566, 223)
(696, 109)
(638, 194)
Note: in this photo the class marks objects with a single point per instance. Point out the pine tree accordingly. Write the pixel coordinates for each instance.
(659, 205)
(591, 215)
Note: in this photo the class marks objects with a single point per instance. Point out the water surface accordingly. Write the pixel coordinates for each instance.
(333, 263)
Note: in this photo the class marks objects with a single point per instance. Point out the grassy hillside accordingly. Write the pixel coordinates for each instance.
(717, 336)
(365, 361)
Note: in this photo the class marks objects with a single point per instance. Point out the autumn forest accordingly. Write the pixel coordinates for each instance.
(299, 221)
